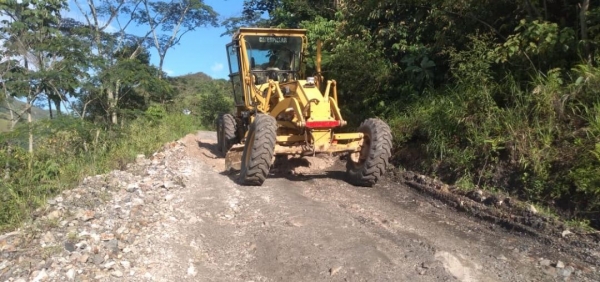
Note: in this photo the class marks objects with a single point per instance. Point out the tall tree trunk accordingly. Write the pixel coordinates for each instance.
(7, 165)
(50, 107)
(57, 106)
(111, 106)
(545, 10)
(584, 32)
(57, 100)
(13, 120)
(30, 122)
(160, 65)
(116, 101)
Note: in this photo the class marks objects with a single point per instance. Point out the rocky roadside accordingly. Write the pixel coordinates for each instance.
(96, 230)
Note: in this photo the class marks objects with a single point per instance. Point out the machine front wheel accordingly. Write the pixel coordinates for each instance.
(258, 150)
(366, 167)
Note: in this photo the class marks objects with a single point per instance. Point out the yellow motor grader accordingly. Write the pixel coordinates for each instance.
(279, 111)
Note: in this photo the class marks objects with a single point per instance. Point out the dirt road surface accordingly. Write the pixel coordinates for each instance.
(307, 224)
(313, 226)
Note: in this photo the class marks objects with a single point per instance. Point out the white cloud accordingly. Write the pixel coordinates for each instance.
(169, 72)
(217, 67)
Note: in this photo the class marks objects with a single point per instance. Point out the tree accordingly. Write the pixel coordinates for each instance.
(584, 8)
(138, 86)
(176, 17)
(108, 36)
(290, 13)
(31, 44)
(100, 16)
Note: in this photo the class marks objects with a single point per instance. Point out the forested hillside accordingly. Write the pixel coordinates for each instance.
(501, 95)
(203, 96)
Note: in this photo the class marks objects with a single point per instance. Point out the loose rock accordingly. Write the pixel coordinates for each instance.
(335, 270)
(117, 273)
(532, 209)
(98, 259)
(48, 237)
(69, 246)
(566, 232)
(71, 274)
(132, 187)
(86, 215)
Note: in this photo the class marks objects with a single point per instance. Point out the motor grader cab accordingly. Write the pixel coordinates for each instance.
(280, 111)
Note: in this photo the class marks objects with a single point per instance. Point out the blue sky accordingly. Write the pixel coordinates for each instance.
(202, 50)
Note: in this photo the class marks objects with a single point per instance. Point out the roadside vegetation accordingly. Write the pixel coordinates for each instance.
(80, 99)
(500, 95)
(497, 95)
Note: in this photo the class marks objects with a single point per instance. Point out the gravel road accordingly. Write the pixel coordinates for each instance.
(304, 224)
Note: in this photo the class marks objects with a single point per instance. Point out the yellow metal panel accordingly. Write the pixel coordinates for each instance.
(270, 31)
(347, 136)
(321, 139)
(319, 107)
(287, 103)
(334, 108)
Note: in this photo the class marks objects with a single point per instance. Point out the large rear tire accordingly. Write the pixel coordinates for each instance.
(366, 167)
(225, 132)
(258, 150)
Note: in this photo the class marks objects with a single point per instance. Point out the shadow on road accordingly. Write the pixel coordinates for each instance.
(337, 175)
(212, 147)
(296, 169)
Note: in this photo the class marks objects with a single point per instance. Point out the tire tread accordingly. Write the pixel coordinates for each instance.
(374, 167)
(256, 170)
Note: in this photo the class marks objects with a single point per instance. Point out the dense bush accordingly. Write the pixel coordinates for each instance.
(500, 94)
(542, 145)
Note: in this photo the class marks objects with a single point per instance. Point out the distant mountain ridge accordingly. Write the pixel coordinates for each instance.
(195, 83)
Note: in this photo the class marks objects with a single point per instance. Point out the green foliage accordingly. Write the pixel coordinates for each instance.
(204, 97)
(32, 46)
(586, 176)
(538, 46)
(492, 93)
